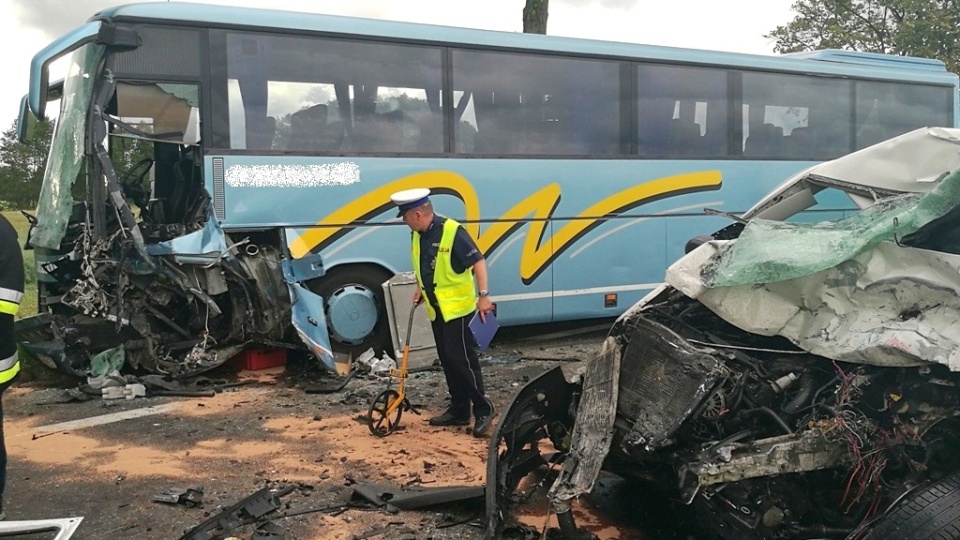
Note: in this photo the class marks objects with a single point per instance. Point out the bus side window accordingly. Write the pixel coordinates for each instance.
(332, 95)
(886, 109)
(786, 116)
(681, 111)
(526, 104)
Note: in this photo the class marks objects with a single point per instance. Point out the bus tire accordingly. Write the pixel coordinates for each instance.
(355, 308)
(931, 513)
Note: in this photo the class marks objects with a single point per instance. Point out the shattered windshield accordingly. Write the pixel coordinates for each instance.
(66, 149)
(770, 251)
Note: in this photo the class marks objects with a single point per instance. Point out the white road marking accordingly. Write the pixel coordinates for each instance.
(106, 418)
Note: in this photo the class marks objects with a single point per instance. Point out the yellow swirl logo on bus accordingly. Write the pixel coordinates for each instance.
(534, 211)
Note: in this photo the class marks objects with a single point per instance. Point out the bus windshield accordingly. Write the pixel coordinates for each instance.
(66, 159)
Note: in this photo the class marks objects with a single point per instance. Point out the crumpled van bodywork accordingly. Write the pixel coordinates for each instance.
(788, 380)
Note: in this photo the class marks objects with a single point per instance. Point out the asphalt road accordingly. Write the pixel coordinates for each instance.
(107, 460)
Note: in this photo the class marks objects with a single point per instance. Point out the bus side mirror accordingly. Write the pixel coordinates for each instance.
(118, 37)
(26, 122)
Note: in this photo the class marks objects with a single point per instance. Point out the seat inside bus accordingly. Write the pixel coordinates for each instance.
(311, 131)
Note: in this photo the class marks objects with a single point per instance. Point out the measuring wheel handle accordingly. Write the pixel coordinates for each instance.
(383, 418)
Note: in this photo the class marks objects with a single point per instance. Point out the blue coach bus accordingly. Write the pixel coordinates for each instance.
(221, 176)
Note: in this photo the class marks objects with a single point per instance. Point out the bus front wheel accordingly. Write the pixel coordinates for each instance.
(355, 309)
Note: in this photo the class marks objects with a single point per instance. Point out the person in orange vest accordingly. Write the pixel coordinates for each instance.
(446, 262)
(11, 292)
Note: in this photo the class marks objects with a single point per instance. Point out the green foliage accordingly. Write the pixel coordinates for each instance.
(22, 166)
(922, 28)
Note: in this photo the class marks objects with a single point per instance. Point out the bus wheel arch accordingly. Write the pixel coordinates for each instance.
(355, 307)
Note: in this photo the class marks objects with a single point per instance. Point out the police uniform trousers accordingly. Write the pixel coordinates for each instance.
(460, 359)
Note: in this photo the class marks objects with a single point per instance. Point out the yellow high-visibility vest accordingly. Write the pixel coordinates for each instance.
(455, 293)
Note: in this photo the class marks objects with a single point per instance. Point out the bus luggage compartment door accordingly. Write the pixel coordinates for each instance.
(310, 322)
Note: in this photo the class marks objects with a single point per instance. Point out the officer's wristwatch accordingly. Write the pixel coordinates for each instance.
(484, 294)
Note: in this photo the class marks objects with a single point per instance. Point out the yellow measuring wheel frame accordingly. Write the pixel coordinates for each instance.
(385, 411)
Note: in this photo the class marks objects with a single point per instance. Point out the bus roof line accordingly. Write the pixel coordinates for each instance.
(252, 18)
(871, 59)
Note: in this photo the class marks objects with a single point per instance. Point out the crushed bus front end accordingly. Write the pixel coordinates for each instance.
(133, 268)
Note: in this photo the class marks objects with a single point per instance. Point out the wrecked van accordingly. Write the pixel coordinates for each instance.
(788, 380)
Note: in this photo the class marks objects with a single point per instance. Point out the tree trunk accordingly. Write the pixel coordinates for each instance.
(535, 17)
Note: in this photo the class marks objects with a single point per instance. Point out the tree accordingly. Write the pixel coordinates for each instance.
(922, 28)
(535, 17)
(22, 166)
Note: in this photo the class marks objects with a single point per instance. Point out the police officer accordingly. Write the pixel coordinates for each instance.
(446, 260)
(11, 292)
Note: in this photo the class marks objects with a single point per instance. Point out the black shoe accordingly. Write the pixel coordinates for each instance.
(483, 422)
(450, 419)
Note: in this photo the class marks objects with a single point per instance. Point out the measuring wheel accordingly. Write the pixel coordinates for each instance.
(384, 414)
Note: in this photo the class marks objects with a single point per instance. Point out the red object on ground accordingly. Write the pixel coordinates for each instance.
(254, 359)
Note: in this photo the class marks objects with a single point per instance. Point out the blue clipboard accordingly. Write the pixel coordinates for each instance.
(483, 331)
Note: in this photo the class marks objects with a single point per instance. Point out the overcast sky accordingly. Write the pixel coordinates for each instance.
(732, 25)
